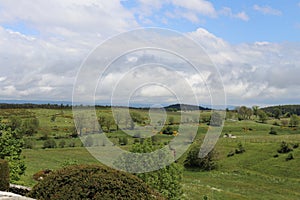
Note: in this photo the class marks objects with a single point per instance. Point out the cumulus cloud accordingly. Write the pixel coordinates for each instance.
(267, 10)
(43, 63)
(261, 72)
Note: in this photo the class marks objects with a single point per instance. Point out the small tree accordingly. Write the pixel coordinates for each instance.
(50, 143)
(284, 148)
(277, 113)
(10, 150)
(194, 161)
(166, 180)
(262, 116)
(294, 120)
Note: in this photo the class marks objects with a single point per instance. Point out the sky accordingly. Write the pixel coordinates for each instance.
(255, 45)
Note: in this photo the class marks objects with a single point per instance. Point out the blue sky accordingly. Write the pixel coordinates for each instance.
(254, 44)
(271, 21)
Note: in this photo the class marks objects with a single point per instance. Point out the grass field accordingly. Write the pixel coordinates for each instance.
(255, 174)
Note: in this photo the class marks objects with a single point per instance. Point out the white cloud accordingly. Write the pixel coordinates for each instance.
(192, 10)
(43, 63)
(228, 12)
(267, 10)
(257, 73)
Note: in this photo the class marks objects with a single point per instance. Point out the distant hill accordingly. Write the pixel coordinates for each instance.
(285, 109)
(184, 107)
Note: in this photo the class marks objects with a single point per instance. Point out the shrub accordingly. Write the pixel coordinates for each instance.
(295, 146)
(91, 182)
(72, 144)
(272, 131)
(123, 140)
(166, 180)
(193, 161)
(284, 148)
(231, 153)
(240, 149)
(62, 144)
(28, 144)
(289, 157)
(4, 175)
(49, 144)
(40, 175)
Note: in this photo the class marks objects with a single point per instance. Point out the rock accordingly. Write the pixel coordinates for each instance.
(12, 196)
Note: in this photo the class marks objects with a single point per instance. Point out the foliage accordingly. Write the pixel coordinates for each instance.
(240, 149)
(62, 144)
(28, 143)
(289, 157)
(285, 109)
(194, 161)
(91, 182)
(262, 116)
(169, 130)
(123, 140)
(255, 110)
(294, 121)
(273, 131)
(40, 175)
(244, 113)
(166, 180)
(4, 175)
(284, 148)
(10, 150)
(277, 113)
(30, 126)
(50, 143)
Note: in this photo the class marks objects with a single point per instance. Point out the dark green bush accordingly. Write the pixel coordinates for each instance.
(289, 157)
(194, 161)
(91, 182)
(284, 148)
(240, 149)
(272, 131)
(49, 144)
(4, 175)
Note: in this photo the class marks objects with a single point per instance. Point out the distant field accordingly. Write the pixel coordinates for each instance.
(255, 174)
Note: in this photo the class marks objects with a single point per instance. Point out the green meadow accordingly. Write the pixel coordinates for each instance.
(258, 173)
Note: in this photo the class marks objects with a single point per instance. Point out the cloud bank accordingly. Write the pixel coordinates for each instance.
(44, 43)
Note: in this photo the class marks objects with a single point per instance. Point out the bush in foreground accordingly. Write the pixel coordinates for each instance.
(92, 182)
(4, 175)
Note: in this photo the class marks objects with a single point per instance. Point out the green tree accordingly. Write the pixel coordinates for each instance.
(277, 113)
(194, 161)
(255, 110)
(262, 116)
(244, 113)
(30, 126)
(166, 180)
(294, 120)
(10, 150)
(14, 123)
